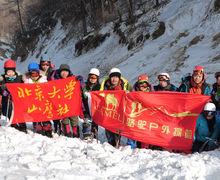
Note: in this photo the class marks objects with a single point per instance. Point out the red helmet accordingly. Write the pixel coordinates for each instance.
(9, 64)
(143, 78)
(198, 70)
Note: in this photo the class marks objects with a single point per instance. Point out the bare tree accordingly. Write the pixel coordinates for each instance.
(83, 10)
(12, 4)
(130, 11)
(19, 16)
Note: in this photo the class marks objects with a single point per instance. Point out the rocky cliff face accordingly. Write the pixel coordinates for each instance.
(9, 17)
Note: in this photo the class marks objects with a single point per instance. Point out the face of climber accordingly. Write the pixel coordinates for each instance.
(45, 65)
(64, 74)
(163, 82)
(34, 75)
(209, 114)
(218, 81)
(93, 78)
(114, 80)
(10, 73)
(197, 78)
(143, 87)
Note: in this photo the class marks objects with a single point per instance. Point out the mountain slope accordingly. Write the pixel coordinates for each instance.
(191, 37)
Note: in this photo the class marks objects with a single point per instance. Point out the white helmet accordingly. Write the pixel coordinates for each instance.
(210, 107)
(164, 74)
(114, 70)
(94, 71)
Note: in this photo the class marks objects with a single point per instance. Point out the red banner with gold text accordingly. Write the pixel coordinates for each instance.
(46, 101)
(165, 119)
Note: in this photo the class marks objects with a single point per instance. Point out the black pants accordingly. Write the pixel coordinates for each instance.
(94, 129)
(204, 146)
(57, 126)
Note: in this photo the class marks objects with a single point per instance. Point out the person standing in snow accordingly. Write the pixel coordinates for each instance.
(92, 84)
(10, 76)
(207, 131)
(142, 84)
(70, 124)
(114, 82)
(46, 68)
(34, 76)
(164, 83)
(215, 94)
(196, 84)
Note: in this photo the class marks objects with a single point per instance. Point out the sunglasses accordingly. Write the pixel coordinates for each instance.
(209, 113)
(45, 64)
(163, 80)
(199, 71)
(34, 73)
(93, 77)
(143, 86)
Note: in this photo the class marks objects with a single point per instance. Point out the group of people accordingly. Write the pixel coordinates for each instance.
(207, 131)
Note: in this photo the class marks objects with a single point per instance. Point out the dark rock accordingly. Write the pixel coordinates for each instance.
(160, 30)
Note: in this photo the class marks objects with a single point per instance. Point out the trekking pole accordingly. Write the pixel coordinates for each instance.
(12, 115)
(71, 129)
(96, 135)
(59, 130)
(117, 141)
(7, 111)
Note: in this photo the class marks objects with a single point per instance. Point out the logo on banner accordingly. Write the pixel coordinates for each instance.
(111, 102)
(137, 110)
(111, 105)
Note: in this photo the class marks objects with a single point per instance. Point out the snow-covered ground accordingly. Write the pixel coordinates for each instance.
(33, 156)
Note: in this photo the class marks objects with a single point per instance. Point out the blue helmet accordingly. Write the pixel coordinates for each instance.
(33, 66)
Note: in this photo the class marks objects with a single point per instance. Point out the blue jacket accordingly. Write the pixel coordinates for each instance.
(203, 133)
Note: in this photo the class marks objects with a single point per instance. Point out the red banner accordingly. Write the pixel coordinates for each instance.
(165, 119)
(46, 101)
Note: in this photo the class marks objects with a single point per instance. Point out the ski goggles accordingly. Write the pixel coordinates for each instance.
(198, 72)
(163, 79)
(34, 73)
(143, 85)
(209, 113)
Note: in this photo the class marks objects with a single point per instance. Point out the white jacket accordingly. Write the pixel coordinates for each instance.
(28, 80)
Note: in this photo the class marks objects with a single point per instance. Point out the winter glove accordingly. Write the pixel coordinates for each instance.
(86, 94)
(5, 93)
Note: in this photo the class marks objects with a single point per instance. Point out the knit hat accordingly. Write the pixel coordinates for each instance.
(64, 67)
